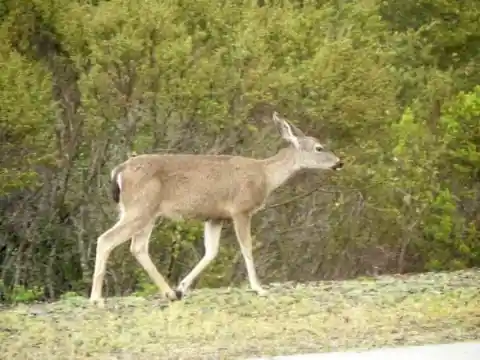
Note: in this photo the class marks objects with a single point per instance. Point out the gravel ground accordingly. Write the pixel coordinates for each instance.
(233, 323)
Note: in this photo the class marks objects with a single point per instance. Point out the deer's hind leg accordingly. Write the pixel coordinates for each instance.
(122, 231)
(139, 249)
(133, 220)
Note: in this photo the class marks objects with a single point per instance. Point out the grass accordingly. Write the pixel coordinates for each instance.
(233, 323)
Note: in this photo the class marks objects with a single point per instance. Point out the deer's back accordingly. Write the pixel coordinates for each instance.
(198, 186)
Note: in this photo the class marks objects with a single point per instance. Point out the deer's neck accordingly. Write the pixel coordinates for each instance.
(281, 167)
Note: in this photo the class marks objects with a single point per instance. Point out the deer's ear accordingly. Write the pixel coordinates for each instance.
(296, 131)
(285, 129)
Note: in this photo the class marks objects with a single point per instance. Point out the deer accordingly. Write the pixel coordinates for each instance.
(209, 188)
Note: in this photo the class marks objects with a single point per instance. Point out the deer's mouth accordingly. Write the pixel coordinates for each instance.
(338, 166)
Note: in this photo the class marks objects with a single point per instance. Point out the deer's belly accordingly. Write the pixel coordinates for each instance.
(195, 209)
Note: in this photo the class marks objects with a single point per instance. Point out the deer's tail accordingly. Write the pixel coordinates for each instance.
(116, 183)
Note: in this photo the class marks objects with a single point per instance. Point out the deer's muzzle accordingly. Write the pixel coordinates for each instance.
(338, 165)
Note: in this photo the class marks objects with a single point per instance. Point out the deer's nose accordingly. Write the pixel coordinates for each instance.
(338, 165)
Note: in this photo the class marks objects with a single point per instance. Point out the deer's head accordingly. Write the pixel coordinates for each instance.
(309, 152)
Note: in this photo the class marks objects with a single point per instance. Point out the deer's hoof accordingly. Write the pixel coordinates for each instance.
(174, 295)
(179, 294)
(261, 292)
(97, 302)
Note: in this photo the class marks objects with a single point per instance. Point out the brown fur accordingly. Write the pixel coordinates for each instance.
(168, 181)
(211, 188)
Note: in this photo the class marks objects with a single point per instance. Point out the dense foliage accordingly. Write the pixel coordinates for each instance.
(390, 86)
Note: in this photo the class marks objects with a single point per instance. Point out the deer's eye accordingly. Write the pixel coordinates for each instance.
(318, 148)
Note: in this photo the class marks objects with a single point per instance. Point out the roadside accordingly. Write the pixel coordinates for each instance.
(326, 316)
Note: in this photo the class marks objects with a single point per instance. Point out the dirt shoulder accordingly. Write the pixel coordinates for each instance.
(233, 323)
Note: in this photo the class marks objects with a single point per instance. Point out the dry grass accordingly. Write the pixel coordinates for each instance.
(222, 323)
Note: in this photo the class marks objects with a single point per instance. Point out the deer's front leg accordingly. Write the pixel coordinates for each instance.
(212, 231)
(242, 225)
